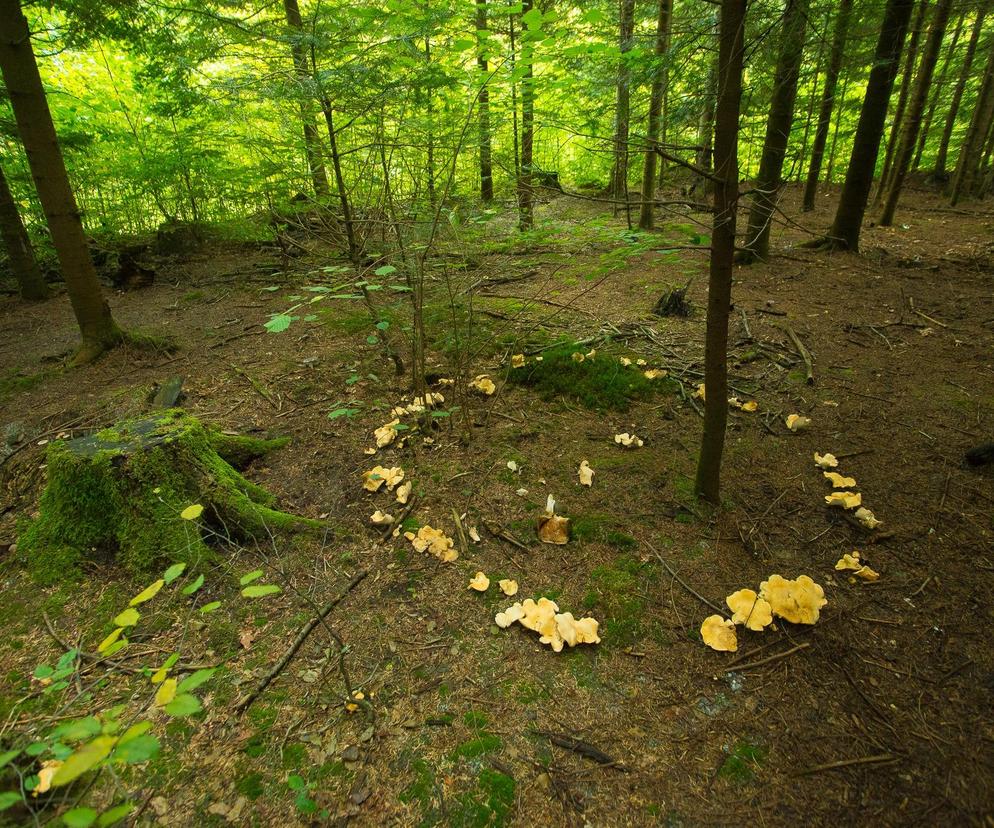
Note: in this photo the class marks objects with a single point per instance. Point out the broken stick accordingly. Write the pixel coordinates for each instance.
(809, 371)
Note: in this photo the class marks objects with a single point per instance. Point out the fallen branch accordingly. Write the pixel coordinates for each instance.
(243, 704)
(809, 371)
(399, 521)
(683, 583)
(768, 659)
(585, 749)
(876, 759)
(501, 533)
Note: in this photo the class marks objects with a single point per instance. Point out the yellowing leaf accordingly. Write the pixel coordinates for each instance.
(847, 500)
(83, 760)
(192, 512)
(128, 618)
(480, 582)
(586, 474)
(147, 594)
(166, 692)
(838, 481)
(110, 639)
(719, 634)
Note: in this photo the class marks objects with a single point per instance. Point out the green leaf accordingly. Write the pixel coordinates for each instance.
(147, 594)
(189, 589)
(8, 757)
(116, 647)
(36, 748)
(400, 288)
(255, 575)
(385, 270)
(278, 323)
(43, 671)
(174, 572)
(79, 817)
(109, 640)
(382, 325)
(192, 512)
(8, 799)
(372, 340)
(260, 590)
(115, 814)
(139, 749)
(183, 705)
(78, 730)
(84, 759)
(194, 680)
(128, 618)
(206, 608)
(342, 412)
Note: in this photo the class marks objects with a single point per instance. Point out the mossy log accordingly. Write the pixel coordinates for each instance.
(120, 492)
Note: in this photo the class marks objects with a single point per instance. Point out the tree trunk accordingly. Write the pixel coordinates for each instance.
(312, 146)
(665, 108)
(938, 87)
(845, 230)
(769, 181)
(912, 120)
(942, 156)
(623, 104)
(352, 243)
(810, 114)
(830, 172)
(514, 101)
(486, 153)
(730, 58)
(526, 207)
(972, 147)
(705, 128)
(37, 133)
(827, 103)
(30, 282)
(902, 100)
(655, 110)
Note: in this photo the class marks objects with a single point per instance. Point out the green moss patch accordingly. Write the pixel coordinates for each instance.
(617, 592)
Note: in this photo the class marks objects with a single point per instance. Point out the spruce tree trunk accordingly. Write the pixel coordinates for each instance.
(942, 156)
(526, 207)
(351, 241)
(830, 172)
(30, 282)
(845, 230)
(730, 58)
(655, 110)
(902, 101)
(769, 180)
(486, 152)
(312, 146)
(937, 87)
(705, 127)
(514, 102)
(810, 114)
(827, 103)
(916, 106)
(972, 148)
(37, 133)
(623, 104)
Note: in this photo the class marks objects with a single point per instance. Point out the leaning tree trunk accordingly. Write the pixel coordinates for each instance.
(769, 181)
(526, 197)
(972, 147)
(623, 104)
(655, 110)
(939, 170)
(312, 146)
(937, 87)
(30, 282)
(37, 133)
(827, 103)
(486, 152)
(902, 100)
(730, 59)
(845, 230)
(912, 121)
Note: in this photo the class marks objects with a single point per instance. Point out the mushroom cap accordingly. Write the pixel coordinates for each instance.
(796, 422)
(434, 541)
(386, 433)
(508, 586)
(847, 500)
(513, 613)
(849, 561)
(866, 518)
(798, 601)
(480, 582)
(381, 518)
(404, 492)
(825, 461)
(749, 609)
(719, 634)
(586, 474)
(838, 481)
(518, 361)
(553, 529)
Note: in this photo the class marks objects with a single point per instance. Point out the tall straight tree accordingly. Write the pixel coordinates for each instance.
(37, 133)
(30, 283)
(526, 196)
(839, 36)
(655, 110)
(769, 181)
(972, 148)
(902, 99)
(623, 101)
(916, 106)
(845, 231)
(312, 146)
(483, 102)
(942, 155)
(731, 38)
(937, 89)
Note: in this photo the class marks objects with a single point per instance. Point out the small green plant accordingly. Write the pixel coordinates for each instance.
(742, 762)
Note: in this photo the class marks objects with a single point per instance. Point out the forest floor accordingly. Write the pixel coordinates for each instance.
(880, 713)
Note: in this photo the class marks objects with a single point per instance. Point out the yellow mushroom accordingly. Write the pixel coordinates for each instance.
(847, 500)
(866, 518)
(749, 609)
(797, 422)
(849, 561)
(798, 601)
(838, 481)
(586, 474)
(719, 634)
(508, 586)
(435, 542)
(518, 361)
(480, 582)
(825, 461)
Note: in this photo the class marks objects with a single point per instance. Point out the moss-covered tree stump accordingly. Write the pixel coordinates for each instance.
(120, 492)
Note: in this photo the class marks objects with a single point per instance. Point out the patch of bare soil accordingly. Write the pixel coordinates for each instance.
(880, 713)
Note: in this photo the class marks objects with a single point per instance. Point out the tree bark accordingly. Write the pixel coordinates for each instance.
(730, 59)
(37, 133)
(526, 207)
(483, 101)
(972, 147)
(937, 87)
(845, 230)
(939, 171)
(769, 181)
(312, 146)
(655, 110)
(913, 118)
(830, 172)
(623, 103)
(902, 100)
(839, 37)
(30, 282)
